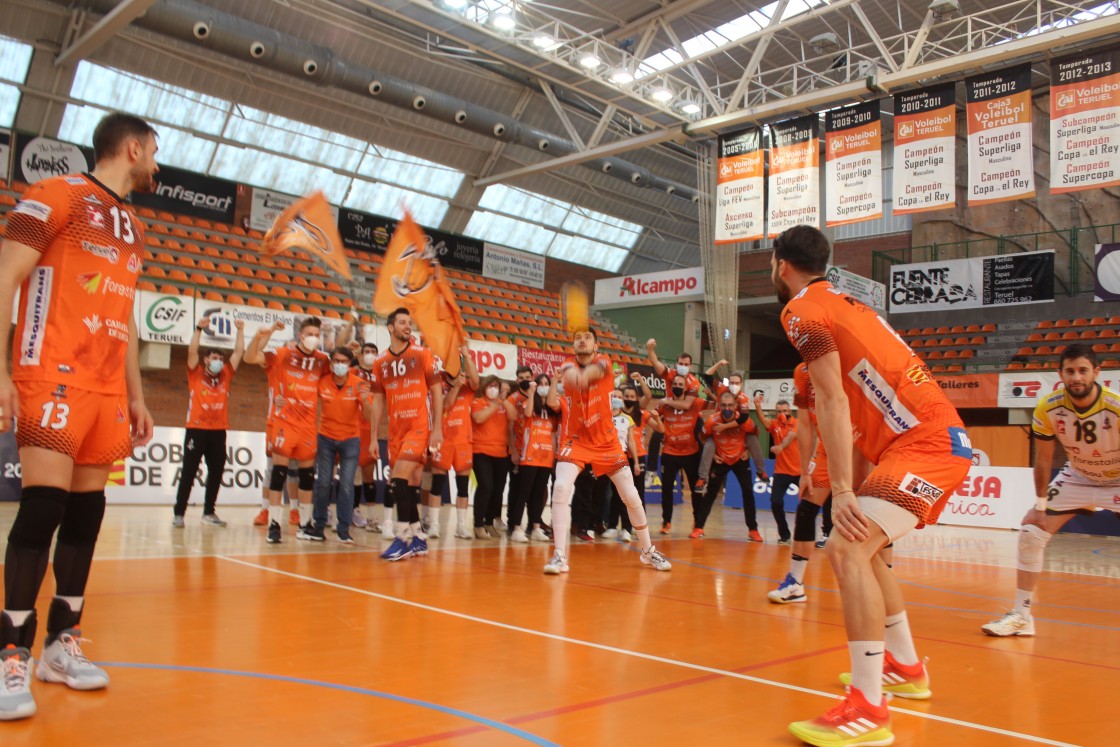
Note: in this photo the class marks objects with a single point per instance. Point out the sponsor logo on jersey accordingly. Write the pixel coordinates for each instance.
(121, 289)
(62, 368)
(109, 253)
(74, 180)
(120, 415)
(90, 198)
(918, 374)
(35, 315)
(34, 208)
(59, 392)
(134, 264)
(915, 485)
(95, 217)
(90, 281)
(117, 330)
(881, 394)
(93, 324)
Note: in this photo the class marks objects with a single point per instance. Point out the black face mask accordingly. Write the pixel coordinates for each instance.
(629, 404)
(678, 392)
(524, 385)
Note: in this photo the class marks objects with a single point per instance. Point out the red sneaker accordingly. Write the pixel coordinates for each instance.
(754, 536)
(666, 527)
(696, 533)
(261, 519)
(904, 681)
(853, 721)
(293, 517)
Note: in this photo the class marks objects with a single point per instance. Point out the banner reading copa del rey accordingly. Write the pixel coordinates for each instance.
(925, 153)
(1006, 279)
(512, 266)
(1085, 122)
(794, 181)
(740, 213)
(853, 164)
(1000, 136)
(870, 292)
(671, 285)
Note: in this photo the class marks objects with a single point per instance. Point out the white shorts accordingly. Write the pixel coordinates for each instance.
(893, 519)
(1071, 491)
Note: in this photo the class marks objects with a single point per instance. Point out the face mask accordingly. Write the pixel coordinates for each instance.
(728, 414)
(682, 370)
(524, 385)
(616, 403)
(735, 389)
(368, 359)
(311, 342)
(216, 366)
(543, 389)
(631, 404)
(678, 392)
(492, 392)
(782, 418)
(340, 368)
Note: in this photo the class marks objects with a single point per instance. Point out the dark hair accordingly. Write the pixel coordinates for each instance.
(804, 247)
(311, 321)
(540, 405)
(523, 369)
(628, 387)
(491, 379)
(393, 317)
(737, 373)
(369, 345)
(342, 349)
(1078, 350)
(686, 355)
(782, 402)
(207, 352)
(540, 376)
(114, 130)
(590, 330)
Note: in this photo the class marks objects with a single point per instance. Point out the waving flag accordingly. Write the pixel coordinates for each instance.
(412, 277)
(308, 226)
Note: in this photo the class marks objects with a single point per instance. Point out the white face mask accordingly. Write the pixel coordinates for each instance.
(682, 370)
(735, 389)
(543, 390)
(339, 368)
(616, 403)
(311, 342)
(492, 392)
(216, 366)
(369, 358)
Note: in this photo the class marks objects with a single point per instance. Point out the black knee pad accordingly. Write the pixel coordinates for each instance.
(804, 521)
(279, 477)
(438, 483)
(41, 510)
(306, 478)
(82, 522)
(462, 486)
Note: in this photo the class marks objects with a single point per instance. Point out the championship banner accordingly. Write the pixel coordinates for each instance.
(1106, 281)
(186, 193)
(870, 292)
(995, 497)
(740, 212)
(38, 158)
(542, 361)
(853, 164)
(925, 163)
(1000, 142)
(1085, 122)
(794, 181)
(1000, 280)
(5, 153)
(512, 266)
(165, 318)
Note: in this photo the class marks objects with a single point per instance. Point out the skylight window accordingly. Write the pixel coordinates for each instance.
(15, 59)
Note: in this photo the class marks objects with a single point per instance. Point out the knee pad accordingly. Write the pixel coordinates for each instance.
(41, 510)
(804, 521)
(279, 477)
(306, 478)
(1032, 546)
(82, 522)
(626, 489)
(462, 485)
(562, 494)
(438, 482)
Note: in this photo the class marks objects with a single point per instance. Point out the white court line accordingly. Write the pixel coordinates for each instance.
(636, 654)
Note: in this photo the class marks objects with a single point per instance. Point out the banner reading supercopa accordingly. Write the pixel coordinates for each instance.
(794, 184)
(853, 164)
(1085, 122)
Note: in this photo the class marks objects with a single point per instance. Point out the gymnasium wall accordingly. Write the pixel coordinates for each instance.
(165, 392)
(665, 322)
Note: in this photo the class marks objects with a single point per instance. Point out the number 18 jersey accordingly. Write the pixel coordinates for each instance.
(1090, 437)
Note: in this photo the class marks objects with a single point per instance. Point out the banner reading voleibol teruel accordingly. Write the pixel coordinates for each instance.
(794, 182)
(1085, 122)
(853, 164)
(740, 213)
(1000, 146)
(925, 153)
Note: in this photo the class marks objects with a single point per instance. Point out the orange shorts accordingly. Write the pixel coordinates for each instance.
(409, 447)
(921, 474)
(604, 460)
(456, 456)
(292, 442)
(89, 427)
(820, 468)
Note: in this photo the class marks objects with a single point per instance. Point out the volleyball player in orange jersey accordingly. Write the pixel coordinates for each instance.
(74, 249)
(872, 392)
(456, 453)
(588, 436)
(680, 451)
(410, 389)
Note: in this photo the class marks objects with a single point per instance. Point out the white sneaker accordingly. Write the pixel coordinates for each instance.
(788, 592)
(624, 536)
(656, 560)
(387, 531)
(15, 684)
(373, 525)
(177, 522)
(500, 525)
(556, 566)
(464, 532)
(518, 535)
(359, 520)
(63, 661)
(538, 535)
(1013, 623)
(212, 520)
(610, 534)
(433, 530)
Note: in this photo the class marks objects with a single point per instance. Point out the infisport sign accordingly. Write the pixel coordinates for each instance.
(672, 285)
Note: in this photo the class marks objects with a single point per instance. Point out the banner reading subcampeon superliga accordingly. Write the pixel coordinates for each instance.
(925, 153)
(1000, 148)
(740, 214)
(794, 182)
(1085, 122)
(853, 164)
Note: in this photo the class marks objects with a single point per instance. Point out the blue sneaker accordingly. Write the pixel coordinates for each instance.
(788, 592)
(418, 546)
(399, 550)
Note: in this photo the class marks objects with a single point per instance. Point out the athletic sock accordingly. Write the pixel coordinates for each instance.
(276, 513)
(462, 516)
(304, 513)
(867, 669)
(899, 641)
(644, 541)
(797, 565)
(1023, 602)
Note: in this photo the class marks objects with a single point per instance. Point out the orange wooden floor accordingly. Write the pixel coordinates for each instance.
(213, 638)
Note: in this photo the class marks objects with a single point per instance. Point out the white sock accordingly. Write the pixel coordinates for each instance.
(867, 669)
(18, 617)
(276, 513)
(304, 513)
(461, 514)
(1023, 602)
(425, 513)
(416, 530)
(76, 603)
(797, 568)
(899, 641)
(404, 531)
(265, 504)
(643, 538)
(561, 525)
(387, 515)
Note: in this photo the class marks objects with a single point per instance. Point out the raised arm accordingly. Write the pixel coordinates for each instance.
(761, 412)
(651, 353)
(238, 344)
(254, 356)
(646, 396)
(196, 340)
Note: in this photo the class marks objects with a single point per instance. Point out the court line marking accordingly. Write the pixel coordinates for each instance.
(637, 654)
(481, 720)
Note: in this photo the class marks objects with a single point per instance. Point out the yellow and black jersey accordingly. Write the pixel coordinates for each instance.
(1091, 437)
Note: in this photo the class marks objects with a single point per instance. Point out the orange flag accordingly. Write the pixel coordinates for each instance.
(308, 226)
(412, 277)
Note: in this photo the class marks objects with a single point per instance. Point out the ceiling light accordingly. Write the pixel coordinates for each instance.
(455, 4)
(661, 93)
(504, 21)
(589, 61)
(543, 41)
(690, 107)
(621, 76)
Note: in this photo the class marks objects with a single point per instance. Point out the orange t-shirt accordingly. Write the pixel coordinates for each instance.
(788, 460)
(406, 379)
(491, 436)
(208, 398)
(457, 427)
(588, 419)
(729, 443)
(537, 447)
(891, 392)
(517, 399)
(340, 407)
(742, 401)
(640, 434)
(76, 304)
(680, 430)
(297, 376)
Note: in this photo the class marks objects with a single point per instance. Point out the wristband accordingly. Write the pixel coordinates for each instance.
(1040, 502)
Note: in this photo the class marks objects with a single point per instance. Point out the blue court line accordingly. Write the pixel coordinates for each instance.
(482, 720)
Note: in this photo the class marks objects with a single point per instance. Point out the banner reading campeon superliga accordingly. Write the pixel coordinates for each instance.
(1000, 149)
(925, 156)
(853, 164)
(794, 182)
(1085, 122)
(740, 213)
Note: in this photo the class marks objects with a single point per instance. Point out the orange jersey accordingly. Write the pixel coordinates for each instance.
(680, 430)
(640, 434)
(891, 392)
(517, 399)
(691, 383)
(369, 377)
(76, 304)
(340, 407)
(491, 436)
(588, 419)
(457, 425)
(406, 379)
(296, 376)
(208, 400)
(537, 447)
(788, 460)
(742, 401)
(804, 398)
(729, 443)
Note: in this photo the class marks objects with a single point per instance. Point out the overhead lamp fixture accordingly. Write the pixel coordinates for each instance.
(943, 8)
(589, 61)
(621, 76)
(661, 94)
(544, 41)
(504, 21)
(825, 42)
(455, 4)
(690, 107)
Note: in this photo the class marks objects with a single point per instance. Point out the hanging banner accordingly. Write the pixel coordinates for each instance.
(164, 317)
(669, 285)
(186, 193)
(1000, 280)
(38, 158)
(853, 164)
(512, 266)
(794, 182)
(5, 153)
(1106, 282)
(740, 211)
(1085, 122)
(925, 163)
(364, 232)
(1000, 142)
(868, 291)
